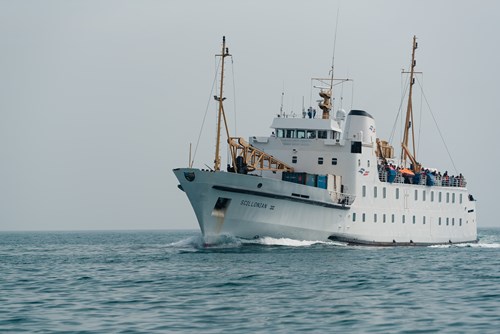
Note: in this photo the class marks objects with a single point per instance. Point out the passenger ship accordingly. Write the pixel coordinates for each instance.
(328, 178)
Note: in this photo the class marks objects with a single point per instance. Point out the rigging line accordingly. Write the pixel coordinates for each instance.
(352, 94)
(234, 95)
(206, 112)
(420, 120)
(439, 130)
(342, 95)
(403, 94)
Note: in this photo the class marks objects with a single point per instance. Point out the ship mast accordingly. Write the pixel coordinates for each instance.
(409, 124)
(220, 99)
(244, 156)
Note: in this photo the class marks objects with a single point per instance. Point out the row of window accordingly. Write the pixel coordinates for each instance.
(416, 195)
(320, 160)
(304, 134)
(441, 221)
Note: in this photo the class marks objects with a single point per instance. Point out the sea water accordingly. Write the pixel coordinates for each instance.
(171, 281)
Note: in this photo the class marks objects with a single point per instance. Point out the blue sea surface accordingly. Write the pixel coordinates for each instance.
(170, 281)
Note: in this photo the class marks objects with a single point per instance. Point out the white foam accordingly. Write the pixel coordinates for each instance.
(268, 241)
(189, 244)
(471, 245)
(196, 243)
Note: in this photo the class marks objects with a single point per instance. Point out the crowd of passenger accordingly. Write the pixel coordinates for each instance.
(397, 174)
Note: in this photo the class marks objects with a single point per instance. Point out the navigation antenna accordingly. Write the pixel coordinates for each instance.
(326, 93)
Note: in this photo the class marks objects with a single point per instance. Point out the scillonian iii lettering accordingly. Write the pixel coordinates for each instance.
(253, 204)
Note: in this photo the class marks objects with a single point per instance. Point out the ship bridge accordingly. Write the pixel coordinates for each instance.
(304, 128)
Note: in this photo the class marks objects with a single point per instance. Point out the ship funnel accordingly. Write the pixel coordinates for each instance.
(360, 126)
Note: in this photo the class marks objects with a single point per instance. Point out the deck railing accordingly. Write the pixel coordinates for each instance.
(439, 180)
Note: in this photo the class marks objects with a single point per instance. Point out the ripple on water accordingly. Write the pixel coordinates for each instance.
(163, 281)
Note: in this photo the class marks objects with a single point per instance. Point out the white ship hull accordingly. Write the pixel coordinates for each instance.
(248, 206)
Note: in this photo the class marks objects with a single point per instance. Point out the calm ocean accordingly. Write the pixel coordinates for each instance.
(166, 281)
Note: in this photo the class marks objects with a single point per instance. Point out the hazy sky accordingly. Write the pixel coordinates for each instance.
(99, 100)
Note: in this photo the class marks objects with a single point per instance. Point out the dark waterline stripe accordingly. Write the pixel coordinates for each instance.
(277, 196)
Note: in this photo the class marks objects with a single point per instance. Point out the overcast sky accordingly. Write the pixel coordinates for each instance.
(99, 100)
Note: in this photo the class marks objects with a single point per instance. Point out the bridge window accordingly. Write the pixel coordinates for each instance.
(301, 134)
(311, 134)
(289, 133)
(322, 134)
